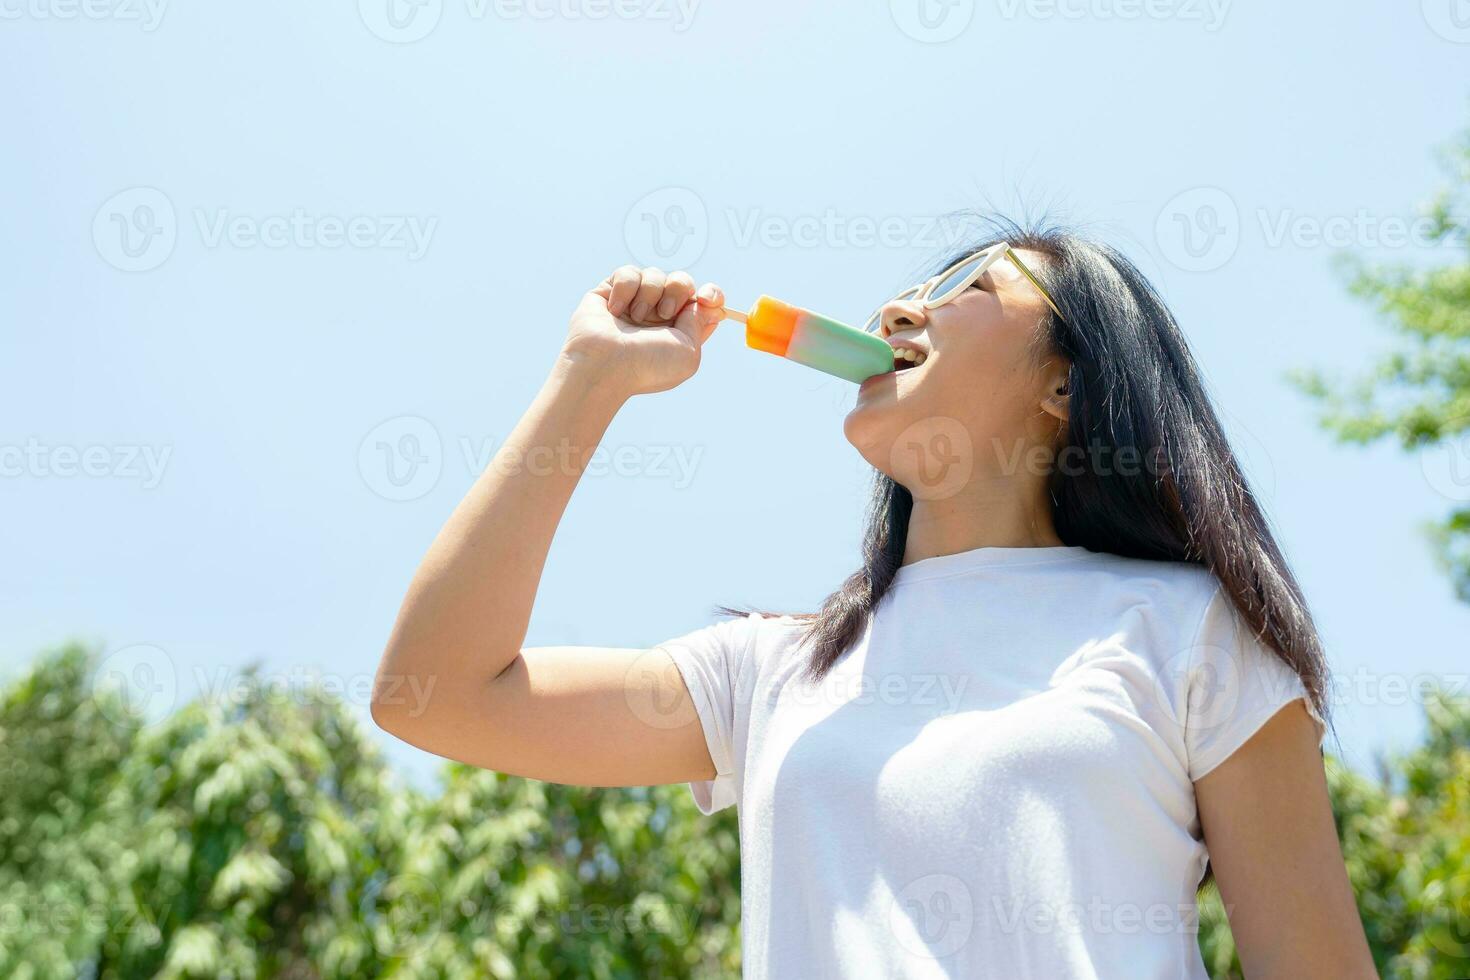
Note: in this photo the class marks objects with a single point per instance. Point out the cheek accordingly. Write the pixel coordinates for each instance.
(987, 387)
(934, 420)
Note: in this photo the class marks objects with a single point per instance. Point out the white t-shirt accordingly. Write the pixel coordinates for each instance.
(996, 780)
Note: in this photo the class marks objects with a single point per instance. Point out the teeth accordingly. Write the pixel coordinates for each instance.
(907, 357)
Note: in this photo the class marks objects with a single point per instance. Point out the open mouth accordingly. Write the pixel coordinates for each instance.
(906, 357)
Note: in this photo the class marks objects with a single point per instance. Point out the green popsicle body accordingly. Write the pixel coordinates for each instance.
(816, 341)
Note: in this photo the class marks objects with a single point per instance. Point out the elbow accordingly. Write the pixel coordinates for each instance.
(390, 716)
(385, 715)
(401, 702)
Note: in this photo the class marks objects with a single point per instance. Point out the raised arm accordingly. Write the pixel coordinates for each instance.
(587, 715)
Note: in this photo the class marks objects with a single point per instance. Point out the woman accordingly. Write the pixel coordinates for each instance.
(1073, 670)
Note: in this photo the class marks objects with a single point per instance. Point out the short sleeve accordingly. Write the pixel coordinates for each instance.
(1236, 683)
(711, 661)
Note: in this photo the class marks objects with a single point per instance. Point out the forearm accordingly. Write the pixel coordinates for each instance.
(465, 616)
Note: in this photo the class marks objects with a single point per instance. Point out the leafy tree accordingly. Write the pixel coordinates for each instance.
(61, 813)
(261, 836)
(265, 820)
(238, 837)
(1419, 392)
(510, 877)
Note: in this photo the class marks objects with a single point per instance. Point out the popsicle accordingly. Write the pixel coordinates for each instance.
(808, 338)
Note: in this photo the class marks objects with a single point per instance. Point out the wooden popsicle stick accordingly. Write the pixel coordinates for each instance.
(736, 315)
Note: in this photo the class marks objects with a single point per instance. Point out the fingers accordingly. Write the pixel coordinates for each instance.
(650, 291)
(677, 291)
(648, 295)
(622, 286)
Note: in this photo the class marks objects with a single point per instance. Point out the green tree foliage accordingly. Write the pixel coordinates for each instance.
(262, 820)
(259, 835)
(1419, 391)
(516, 878)
(62, 814)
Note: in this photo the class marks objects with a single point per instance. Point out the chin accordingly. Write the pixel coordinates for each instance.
(913, 441)
(874, 424)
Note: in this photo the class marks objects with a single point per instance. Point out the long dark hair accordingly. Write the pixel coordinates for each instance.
(1134, 388)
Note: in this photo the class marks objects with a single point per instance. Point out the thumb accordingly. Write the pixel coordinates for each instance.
(699, 318)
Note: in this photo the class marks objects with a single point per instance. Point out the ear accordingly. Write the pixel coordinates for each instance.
(1056, 396)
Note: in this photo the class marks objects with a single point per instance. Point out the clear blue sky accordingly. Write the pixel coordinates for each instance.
(241, 238)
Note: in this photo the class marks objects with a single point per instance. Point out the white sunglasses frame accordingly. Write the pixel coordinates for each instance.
(924, 290)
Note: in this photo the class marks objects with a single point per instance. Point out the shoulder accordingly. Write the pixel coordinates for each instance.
(1160, 612)
(741, 640)
(1219, 677)
(1183, 591)
(765, 636)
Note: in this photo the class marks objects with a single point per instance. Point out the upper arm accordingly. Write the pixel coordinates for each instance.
(591, 716)
(1268, 825)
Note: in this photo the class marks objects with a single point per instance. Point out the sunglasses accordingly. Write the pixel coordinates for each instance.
(953, 281)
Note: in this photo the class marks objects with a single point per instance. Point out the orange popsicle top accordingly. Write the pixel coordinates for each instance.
(769, 325)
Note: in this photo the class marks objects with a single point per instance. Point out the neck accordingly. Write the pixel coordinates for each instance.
(996, 513)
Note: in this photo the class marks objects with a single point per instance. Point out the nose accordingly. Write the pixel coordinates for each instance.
(901, 314)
